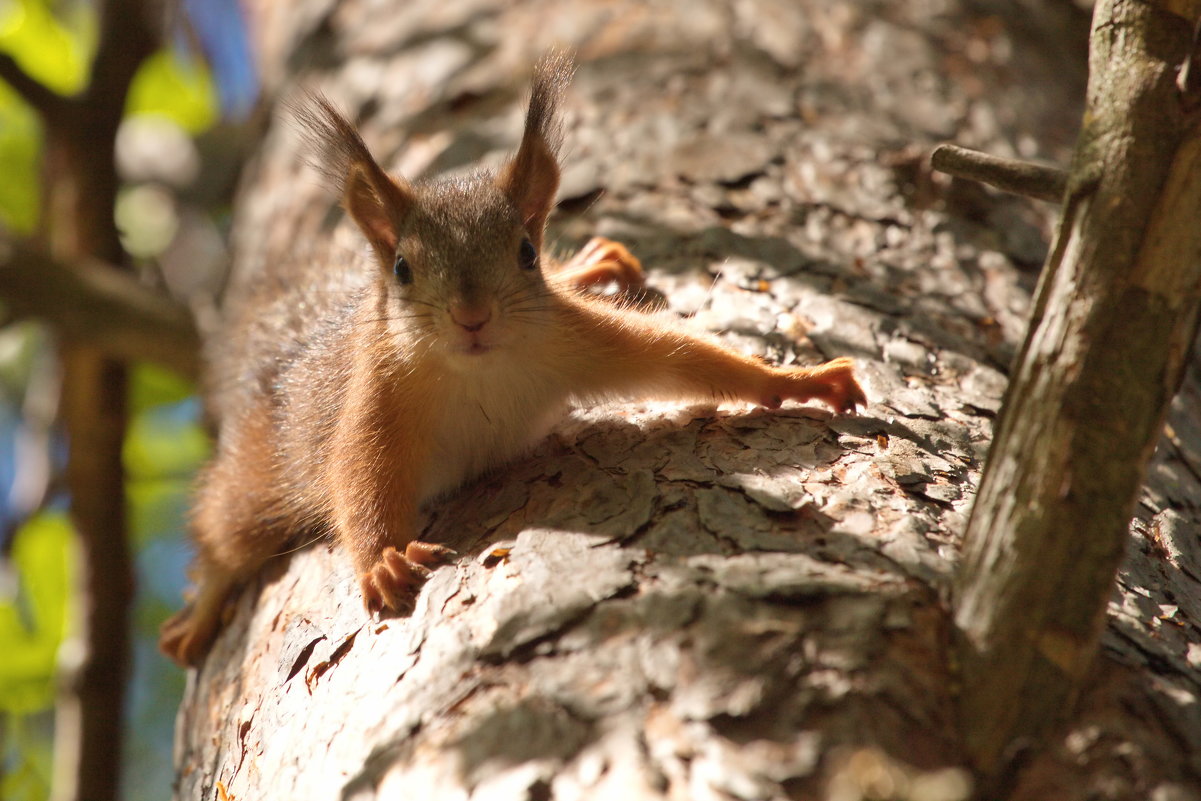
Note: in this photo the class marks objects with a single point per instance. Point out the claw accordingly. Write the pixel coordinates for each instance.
(427, 553)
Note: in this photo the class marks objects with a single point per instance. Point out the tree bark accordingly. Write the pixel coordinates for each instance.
(700, 603)
(1114, 320)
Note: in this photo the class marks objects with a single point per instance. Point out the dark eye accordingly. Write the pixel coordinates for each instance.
(404, 274)
(528, 256)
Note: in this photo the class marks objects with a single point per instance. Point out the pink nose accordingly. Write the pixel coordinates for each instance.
(471, 318)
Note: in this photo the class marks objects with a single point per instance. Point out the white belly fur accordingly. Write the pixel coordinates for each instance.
(490, 415)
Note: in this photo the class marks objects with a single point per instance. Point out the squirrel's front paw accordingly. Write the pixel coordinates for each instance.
(832, 383)
(394, 581)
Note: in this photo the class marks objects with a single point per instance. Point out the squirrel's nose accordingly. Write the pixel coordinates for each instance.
(471, 318)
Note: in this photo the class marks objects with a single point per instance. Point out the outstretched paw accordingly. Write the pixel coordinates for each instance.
(395, 580)
(832, 383)
(602, 261)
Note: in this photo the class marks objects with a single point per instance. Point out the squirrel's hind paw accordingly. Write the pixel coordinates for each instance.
(185, 637)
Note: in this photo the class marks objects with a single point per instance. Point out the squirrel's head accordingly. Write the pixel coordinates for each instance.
(463, 255)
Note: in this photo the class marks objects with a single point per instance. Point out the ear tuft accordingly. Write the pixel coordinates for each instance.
(375, 200)
(531, 178)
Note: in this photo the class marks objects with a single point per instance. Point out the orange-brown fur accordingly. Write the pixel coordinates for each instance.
(345, 404)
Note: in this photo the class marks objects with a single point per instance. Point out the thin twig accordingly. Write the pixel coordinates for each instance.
(1009, 175)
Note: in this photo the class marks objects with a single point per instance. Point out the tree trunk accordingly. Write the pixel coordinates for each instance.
(1114, 320)
(81, 179)
(703, 603)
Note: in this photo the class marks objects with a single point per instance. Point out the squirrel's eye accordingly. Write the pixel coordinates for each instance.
(528, 256)
(404, 274)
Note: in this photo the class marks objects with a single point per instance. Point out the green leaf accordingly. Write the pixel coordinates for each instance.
(157, 508)
(164, 446)
(34, 622)
(151, 385)
(181, 90)
(51, 52)
(56, 55)
(26, 746)
(158, 446)
(20, 156)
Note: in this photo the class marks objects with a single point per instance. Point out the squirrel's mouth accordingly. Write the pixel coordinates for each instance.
(473, 343)
(473, 346)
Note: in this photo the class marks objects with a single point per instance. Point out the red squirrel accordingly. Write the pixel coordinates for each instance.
(344, 408)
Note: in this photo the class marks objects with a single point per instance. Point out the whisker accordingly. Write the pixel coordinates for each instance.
(717, 277)
(301, 546)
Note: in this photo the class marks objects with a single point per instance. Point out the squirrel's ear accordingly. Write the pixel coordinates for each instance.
(532, 177)
(378, 204)
(376, 201)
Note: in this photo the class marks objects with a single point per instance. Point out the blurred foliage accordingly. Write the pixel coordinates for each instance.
(25, 758)
(20, 344)
(20, 148)
(33, 620)
(163, 448)
(53, 41)
(34, 616)
(175, 87)
(56, 48)
(53, 47)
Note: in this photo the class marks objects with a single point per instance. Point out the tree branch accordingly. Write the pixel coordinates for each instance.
(98, 304)
(126, 39)
(1009, 175)
(47, 103)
